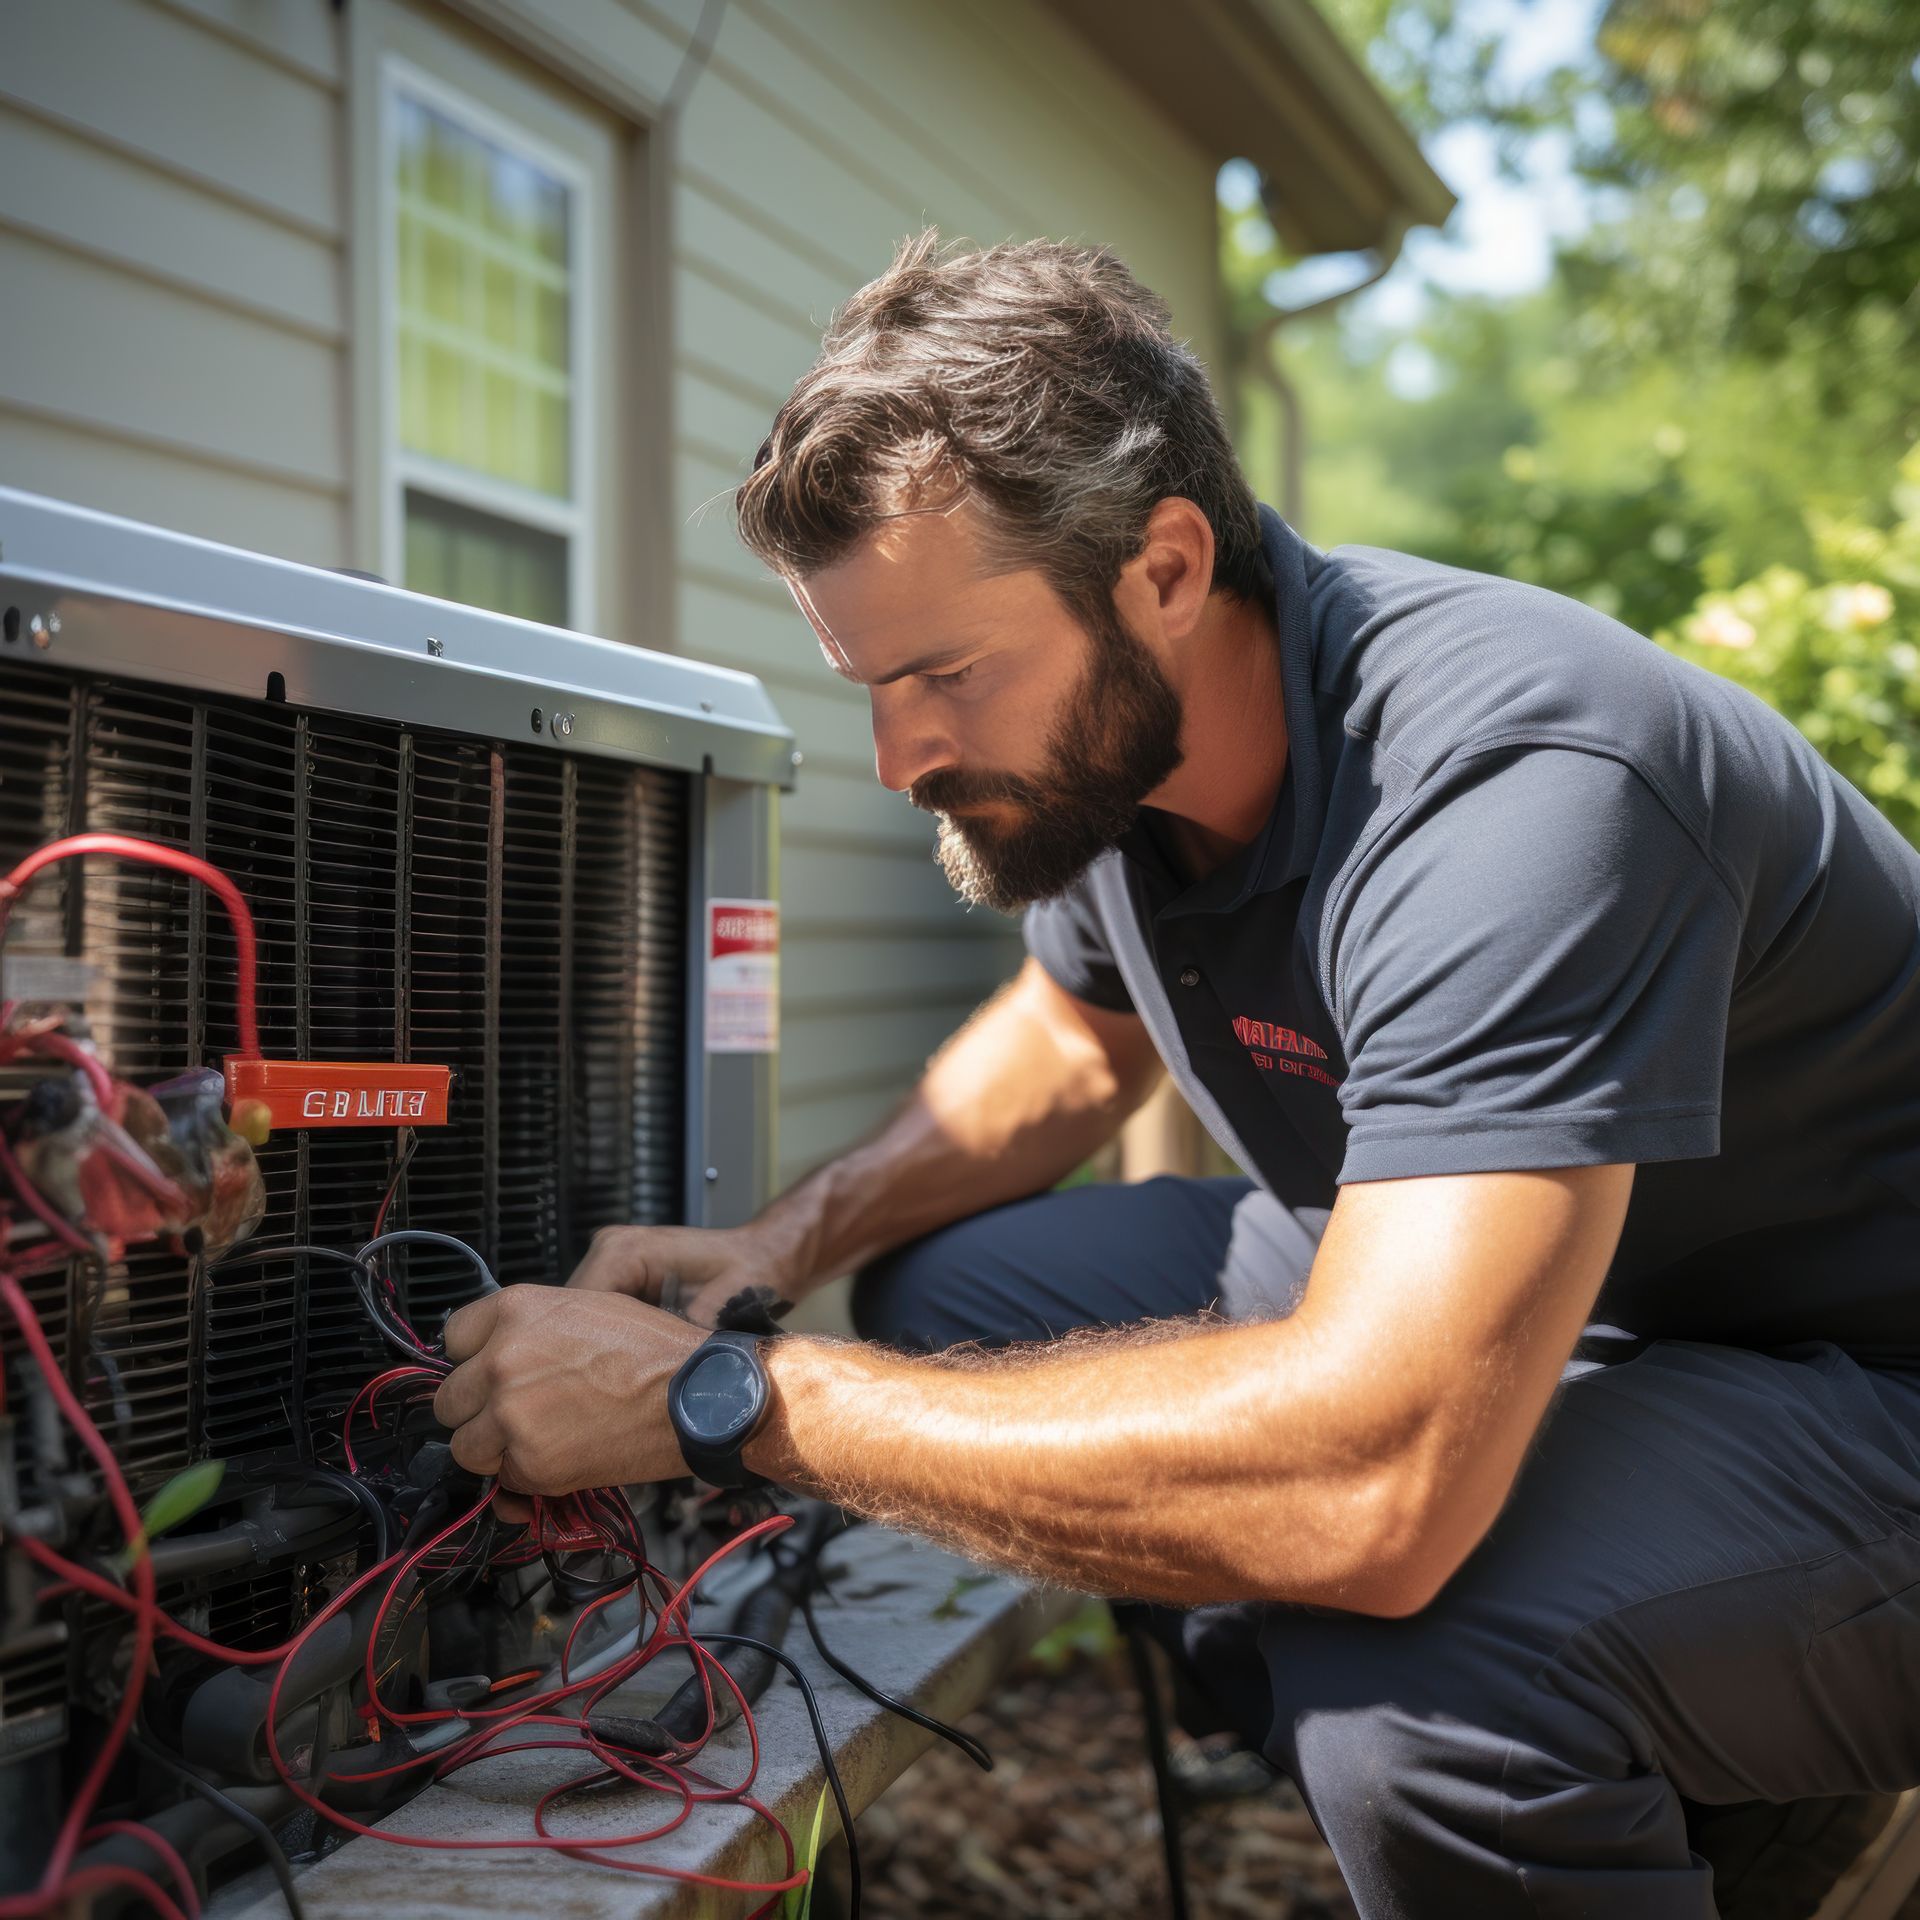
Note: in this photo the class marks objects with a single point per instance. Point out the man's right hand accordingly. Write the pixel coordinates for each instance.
(691, 1271)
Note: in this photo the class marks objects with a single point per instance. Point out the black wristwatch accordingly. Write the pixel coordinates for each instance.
(718, 1401)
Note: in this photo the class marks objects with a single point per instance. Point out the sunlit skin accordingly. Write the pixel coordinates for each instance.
(1350, 1456)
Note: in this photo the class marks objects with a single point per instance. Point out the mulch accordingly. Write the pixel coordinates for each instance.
(1066, 1826)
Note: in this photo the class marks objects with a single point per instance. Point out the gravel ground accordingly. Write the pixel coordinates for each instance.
(1066, 1826)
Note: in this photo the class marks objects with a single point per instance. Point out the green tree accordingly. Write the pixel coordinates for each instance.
(1721, 354)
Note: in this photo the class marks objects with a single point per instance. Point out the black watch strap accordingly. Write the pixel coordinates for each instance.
(720, 1465)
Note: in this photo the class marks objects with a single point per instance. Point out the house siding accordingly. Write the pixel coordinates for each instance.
(172, 316)
(173, 345)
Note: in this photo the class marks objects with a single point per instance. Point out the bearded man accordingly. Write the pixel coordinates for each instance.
(1526, 1457)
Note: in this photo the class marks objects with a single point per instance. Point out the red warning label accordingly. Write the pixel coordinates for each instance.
(743, 976)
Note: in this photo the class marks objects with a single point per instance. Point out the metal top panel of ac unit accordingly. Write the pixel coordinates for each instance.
(112, 596)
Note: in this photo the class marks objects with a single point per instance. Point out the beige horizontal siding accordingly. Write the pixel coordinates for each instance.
(173, 330)
(62, 186)
(118, 474)
(827, 969)
(164, 86)
(106, 349)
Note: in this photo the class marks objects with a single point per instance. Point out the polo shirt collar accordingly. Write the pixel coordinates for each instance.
(1294, 565)
(1287, 843)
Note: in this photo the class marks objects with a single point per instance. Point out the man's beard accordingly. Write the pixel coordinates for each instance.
(1117, 738)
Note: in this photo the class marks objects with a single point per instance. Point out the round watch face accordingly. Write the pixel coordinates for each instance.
(719, 1396)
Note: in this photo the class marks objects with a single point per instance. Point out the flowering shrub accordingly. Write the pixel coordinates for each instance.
(1838, 650)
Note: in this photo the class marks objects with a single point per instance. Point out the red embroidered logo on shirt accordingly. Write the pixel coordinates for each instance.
(1282, 1050)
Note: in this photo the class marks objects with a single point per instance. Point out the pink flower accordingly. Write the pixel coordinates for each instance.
(1862, 605)
(1720, 627)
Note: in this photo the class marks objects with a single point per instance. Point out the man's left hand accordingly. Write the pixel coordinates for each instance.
(557, 1389)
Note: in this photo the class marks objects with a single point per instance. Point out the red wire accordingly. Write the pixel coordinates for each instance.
(126, 847)
(154, 1183)
(541, 1842)
(145, 1617)
(55, 1223)
(670, 1629)
(57, 1044)
(582, 1519)
(481, 1744)
(368, 1394)
(88, 1878)
(103, 1589)
(159, 1844)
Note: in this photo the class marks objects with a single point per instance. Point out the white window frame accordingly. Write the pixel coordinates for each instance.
(574, 518)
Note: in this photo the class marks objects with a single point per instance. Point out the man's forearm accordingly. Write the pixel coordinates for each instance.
(1188, 1463)
(1351, 1455)
(1010, 1105)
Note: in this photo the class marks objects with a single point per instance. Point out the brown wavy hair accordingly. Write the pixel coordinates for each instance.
(1040, 380)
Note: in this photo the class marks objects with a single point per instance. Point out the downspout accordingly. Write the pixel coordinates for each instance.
(1263, 362)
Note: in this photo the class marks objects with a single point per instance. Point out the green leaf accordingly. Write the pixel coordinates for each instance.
(798, 1903)
(180, 1499)
(949, 1608)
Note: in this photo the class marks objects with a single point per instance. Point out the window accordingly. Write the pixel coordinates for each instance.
(488, 470)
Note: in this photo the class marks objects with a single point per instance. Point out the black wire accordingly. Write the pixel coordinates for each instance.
(826, 1752)
(421, 1237)
(808, 1563)
(241, 1816)
(359, 1491)
(1148, 1683)
(362, 1285)
(967, 1744)
(401, 1161)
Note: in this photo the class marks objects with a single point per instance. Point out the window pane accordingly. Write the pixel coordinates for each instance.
(458, 553)
(484, 286)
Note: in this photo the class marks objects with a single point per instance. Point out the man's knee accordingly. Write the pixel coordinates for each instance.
(946, 1289)
(1426, 1746)
(893, 1297)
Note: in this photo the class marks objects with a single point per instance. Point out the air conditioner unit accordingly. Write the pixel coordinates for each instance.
(545, 862)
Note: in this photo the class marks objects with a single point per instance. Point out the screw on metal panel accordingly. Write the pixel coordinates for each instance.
(43, 630)
(436, 647)
(706, 706)
(713, 1173)
(798, 758)
(563, 724)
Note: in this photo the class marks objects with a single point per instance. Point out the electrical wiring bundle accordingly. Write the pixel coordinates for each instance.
(428, 1632)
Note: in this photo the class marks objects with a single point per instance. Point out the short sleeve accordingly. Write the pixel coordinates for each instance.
(1534, 968)
(1065, 935)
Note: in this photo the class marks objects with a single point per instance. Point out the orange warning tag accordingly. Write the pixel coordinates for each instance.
(342, 1093)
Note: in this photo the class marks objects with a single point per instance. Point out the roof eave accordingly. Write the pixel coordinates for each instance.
(1269, 82)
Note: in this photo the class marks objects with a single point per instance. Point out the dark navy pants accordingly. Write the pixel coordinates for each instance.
(1705, 1585)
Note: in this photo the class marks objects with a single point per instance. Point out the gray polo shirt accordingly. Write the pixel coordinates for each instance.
(1536, 893)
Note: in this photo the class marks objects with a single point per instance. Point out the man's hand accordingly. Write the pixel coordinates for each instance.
(692, 1271)
(557, 1390)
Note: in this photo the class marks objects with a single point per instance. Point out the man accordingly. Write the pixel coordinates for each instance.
(1540, 979)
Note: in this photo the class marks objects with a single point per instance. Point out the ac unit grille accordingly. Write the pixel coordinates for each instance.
(516, 914)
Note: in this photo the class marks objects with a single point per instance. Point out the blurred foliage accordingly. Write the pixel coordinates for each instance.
(1767, 149)
(1719, 381)
(1088, 1634)
(1836, 648)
